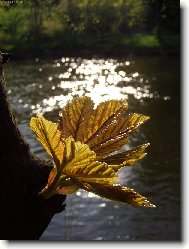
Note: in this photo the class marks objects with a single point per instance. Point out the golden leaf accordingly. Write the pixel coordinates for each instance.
(69, 153)
(99, 119)
(85, 135)
(116, 134)
(81, 121)
(117, 193)
(126, 158)
(48, 135)
(73, 115)
(105, 129)
(85, 168)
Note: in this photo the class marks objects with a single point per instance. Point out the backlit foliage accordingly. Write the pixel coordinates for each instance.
(81, 145)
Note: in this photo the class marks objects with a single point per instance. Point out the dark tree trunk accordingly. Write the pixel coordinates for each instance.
(23, 214)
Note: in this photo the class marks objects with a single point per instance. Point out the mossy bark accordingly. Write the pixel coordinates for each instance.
(23, 214)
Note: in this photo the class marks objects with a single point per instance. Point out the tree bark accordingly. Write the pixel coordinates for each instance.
(23, 214)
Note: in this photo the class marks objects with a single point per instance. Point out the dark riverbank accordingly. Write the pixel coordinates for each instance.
(94, 53)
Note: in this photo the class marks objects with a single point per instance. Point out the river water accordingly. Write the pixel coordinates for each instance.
(152, 87)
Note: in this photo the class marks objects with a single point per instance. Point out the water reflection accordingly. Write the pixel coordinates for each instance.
(98, 78)
(151, 88)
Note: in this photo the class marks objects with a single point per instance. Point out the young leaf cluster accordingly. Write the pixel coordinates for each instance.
(81, 146)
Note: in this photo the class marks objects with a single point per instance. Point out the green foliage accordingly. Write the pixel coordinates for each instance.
(81, 145)
(106, 24)
(142, 41)
(12, 30)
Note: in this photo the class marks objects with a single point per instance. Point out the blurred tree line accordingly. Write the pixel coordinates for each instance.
(67, 24)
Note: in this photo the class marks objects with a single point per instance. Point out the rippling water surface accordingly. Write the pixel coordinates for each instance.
(152, 87)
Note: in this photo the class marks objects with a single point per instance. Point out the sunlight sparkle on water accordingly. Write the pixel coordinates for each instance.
(91, 195)
(97, 78)
(136, 74)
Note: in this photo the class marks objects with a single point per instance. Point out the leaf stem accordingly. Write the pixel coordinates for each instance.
(49, 191)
